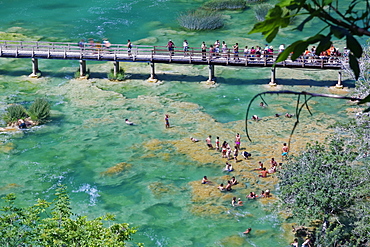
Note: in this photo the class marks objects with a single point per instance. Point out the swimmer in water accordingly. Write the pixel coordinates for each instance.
(193, 139)
(128, 122)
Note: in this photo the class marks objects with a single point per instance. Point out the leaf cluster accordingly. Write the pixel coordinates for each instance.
(54, 224)
(354, 21)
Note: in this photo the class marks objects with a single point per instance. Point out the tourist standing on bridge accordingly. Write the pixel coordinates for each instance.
(224, 49)
(106, 43)
(204, 50)
(211, 52)
(217, 48)
(281, 48)
(171, 47)
(185, 45)
(81, 44)
(129, 46)
(236, 51)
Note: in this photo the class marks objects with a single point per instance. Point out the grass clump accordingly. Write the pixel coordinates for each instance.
(261, 10)
(201, 20)
(225, 4)
(119, 77)
(39, 111)
(77, 74)
(13, 113)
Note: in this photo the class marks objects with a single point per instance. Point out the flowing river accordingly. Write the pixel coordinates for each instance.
(145, 174)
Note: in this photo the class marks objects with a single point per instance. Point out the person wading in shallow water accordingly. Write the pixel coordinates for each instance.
(284, 151)
(209, 142)
(166, 121)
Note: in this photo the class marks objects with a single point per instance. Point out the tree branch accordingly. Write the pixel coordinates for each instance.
(298, 109)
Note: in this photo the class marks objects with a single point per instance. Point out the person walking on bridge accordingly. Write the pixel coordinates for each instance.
(185, 45)
(204, 50)
(236, 51)
(171, 47)
(129, 46)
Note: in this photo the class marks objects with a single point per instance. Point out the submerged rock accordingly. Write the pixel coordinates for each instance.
(116, 169)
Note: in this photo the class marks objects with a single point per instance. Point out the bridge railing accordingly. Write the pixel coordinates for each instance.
(193, 53)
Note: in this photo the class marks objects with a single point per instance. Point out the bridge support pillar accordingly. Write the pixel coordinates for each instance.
(115, 68)
(273, 77)
(211, 74)
(82, 68)
(153, 77)
(339, 84)
(35, 68)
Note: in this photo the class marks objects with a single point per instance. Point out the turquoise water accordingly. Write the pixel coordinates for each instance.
(159, 190)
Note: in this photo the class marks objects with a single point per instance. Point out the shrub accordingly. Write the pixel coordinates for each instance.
(201, 20)
(39, 110)
(119, 77)
(261, 10)
(13, 113)
(225, 4)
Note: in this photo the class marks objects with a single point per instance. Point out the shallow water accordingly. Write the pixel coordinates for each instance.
(145, 174)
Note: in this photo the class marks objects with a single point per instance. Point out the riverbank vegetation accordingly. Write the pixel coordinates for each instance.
(54, 224)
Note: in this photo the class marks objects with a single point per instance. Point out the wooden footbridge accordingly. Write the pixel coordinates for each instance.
(154, 54)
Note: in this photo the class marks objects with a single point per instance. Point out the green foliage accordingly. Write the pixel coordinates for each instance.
(39, 110)
(338, 24)
(261, 10)
(325, 184)
(201, 20)
(13, 113)
(225, 4)
(362, 89)
(318, 183)
(119, 77)
(357, 128)
(39, 225)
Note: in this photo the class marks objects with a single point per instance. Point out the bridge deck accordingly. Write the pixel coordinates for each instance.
(155, 54)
